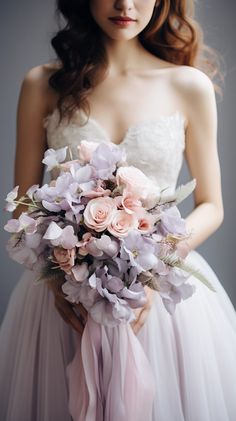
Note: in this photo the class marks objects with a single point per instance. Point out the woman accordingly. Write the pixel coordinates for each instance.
(126, 73)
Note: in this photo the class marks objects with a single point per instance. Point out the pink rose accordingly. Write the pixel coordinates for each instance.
(65, 258)
(128, 203)
(131, 204)
(86, 149)
(135, 182)
(118, 202)
(99, 190)
(122, 223)
(99, 213)
(146, 222)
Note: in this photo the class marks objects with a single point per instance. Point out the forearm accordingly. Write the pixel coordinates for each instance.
(202, 222)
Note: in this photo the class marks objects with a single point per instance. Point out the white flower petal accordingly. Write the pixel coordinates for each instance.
(53, 232)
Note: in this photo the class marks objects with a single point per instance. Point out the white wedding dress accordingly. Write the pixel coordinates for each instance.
(192, 353)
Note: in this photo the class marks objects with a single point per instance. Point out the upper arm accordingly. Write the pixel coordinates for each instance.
(33, 105)
(201, 150)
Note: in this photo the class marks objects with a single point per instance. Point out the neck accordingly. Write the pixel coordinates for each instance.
(123, 56)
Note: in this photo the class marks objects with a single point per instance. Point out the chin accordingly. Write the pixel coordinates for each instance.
(120, 35)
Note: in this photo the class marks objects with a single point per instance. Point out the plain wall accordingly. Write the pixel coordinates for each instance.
(25, 31)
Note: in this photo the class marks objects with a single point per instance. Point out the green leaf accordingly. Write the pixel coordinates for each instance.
(176, 261)
(196, 273)
(179, 194)
(185, 190)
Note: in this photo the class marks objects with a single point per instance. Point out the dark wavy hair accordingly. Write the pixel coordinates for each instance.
(172, 34)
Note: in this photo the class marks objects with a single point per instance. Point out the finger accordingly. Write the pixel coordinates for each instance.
(140, 321)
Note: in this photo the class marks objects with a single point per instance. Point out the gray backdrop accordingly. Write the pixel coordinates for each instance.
(25, 31)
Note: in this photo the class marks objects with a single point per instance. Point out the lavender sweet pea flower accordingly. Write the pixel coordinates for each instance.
(30, 192)
(60, 194)
(117, 267)
(101, 295)
(80, 272)
(109, 309)
(108, 245)
(24, 222)
(63, 237)
(72, 291)
(84, 176)
(12, 195)
(104, 160)
(13, 225)
(140, 251)
(25, 249)
(173, 288)
(44, 193)
(134, 295)
(171, 221)
(175, 295)
(47, 194)
(78, 289)
(113, 312)
(80, 292)
(177, 276)
(122, 265)
(74, 213)
(52, 157)
(75, 283)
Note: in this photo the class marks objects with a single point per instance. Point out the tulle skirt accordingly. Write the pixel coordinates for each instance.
(192, 355)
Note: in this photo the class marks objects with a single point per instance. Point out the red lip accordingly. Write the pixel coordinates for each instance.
(122, 18)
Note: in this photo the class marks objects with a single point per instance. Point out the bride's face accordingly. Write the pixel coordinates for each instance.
(108, 14)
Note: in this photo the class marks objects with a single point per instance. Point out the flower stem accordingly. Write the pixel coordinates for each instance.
(25, 203)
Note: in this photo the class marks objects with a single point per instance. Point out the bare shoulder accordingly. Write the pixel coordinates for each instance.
(36, 86)
(195, 92)
(192, 83)
(40, 74)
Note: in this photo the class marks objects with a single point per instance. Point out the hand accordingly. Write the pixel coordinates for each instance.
(142, 313)
(65, 308)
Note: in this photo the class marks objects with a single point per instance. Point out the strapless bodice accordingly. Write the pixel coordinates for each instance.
(155, 146)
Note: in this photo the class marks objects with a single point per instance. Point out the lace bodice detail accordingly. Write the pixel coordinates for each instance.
(155, 146)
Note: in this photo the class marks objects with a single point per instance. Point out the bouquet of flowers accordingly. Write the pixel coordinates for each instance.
(106, 230)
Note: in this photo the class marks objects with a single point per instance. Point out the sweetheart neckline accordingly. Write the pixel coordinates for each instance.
(134, 126)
